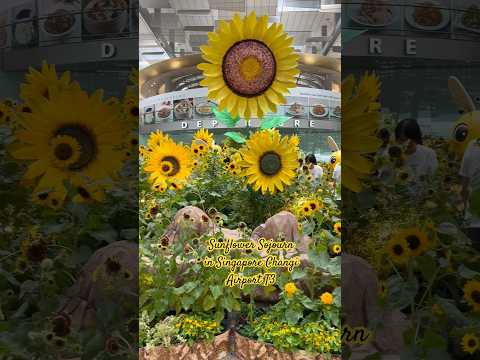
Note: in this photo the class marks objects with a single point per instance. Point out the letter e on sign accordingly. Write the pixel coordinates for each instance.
(411, 46)
(375, 46)
(108, 50)
(199, 124)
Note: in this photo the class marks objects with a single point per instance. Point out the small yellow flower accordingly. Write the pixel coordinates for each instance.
(471, 292)
(326, 298)
(470, 343)
(336, 249)
(290, 289)
(337, 228)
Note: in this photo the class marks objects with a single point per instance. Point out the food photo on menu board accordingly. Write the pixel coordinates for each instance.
(4, 29)
(297, 107)
(183, 109)
(163, 112)
(203, 107)
(105, 18)
(428, 15)
(60, 21)
(468, 17)
(148, 115)
(24, 25)
(318, 108)
(373, 13)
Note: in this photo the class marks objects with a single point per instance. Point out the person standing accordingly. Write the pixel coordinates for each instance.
(315, 170)
(421, 160)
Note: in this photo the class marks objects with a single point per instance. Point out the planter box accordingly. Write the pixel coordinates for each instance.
(227, 346)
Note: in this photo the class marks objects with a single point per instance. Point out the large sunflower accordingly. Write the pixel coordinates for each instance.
(170, 161)
(416, 239)
(360, 117)
(471, 293)
(250, 66)
(470, 343)
(39, 83)
(270, 161)
(70, 136)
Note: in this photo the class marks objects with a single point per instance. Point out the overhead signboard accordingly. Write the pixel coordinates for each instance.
(307, 108)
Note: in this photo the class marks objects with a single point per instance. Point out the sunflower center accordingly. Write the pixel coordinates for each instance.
(398, 250)
(472, 343)
(87, 142)
(63, 151)
(166, 167)
(270, 163)
(249, 68)
(134, 111)
(172, 163)
(83, 192)
(413, 242)
(476, 296)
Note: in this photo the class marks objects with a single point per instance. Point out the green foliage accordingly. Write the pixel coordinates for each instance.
(314, 337)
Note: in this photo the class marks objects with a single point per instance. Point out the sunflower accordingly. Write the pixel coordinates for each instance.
(336, 249)
(71, 136)
(160, 186)
(156, 139)
(471, 293)
(360, 117)
(470, 343)
(233, 168)
(199, 147)
(6, 114)
(87, 191)
(39, 84)
(270, 161)
(205, 136)
(403, 175)
(337, 228)
(416, 239)
(131, 110)
(170, 161)
(397, 248)
(305, 210)
(250, 66)
(314, 205)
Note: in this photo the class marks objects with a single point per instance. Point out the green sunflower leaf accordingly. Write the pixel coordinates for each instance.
(273, 121)
(224, 117)
(235, 136)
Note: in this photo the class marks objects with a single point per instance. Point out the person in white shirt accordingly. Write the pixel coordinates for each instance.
(316, 170)
(470, 173)
(421, 160)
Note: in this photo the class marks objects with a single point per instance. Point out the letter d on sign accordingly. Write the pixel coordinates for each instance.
(108, 50)
(184, 125)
